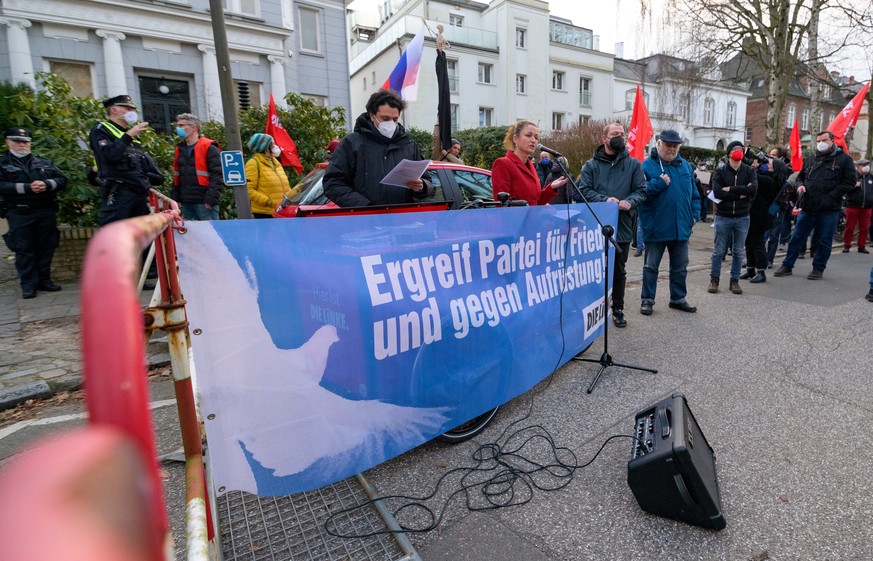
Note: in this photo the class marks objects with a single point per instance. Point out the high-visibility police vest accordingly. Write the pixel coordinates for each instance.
(116, 132)
(200, 151)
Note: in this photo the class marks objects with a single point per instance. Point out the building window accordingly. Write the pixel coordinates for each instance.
(630, 97)
(520, 83)
(245, 7)
(485, 73)
(585, 91)
(804, 120)
(77, 74)
(833, 116)
(485, 116)
(456, 20)
(557, 121)
(452, 67)
(453, 108)
(558, 80)
(685, 107)
(320, 100)
(826, 91)
(730, 117)
(521, 38)
(748, 134)
(792, 116)
(365, 83)
(583, 120)
(708, 110)
(310, 36)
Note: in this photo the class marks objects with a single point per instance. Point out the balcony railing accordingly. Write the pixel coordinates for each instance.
(585, 98)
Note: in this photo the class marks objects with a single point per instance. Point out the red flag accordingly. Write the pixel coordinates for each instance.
(282, 139)
(796, 155)
(847, 118)
(640, 128)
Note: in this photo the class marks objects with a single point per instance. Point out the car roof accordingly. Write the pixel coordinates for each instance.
(451, 165)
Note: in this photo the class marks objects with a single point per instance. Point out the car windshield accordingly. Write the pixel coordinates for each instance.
(309, 191)
(474, 185)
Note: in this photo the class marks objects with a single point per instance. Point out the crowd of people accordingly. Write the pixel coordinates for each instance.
(758, 204)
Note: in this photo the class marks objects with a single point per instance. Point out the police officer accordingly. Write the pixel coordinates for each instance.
(28, 185)
(124, 168)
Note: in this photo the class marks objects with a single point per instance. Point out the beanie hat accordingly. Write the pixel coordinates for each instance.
(735, 144)
(260, 142)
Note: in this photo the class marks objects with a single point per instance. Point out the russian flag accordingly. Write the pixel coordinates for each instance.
(404, 77)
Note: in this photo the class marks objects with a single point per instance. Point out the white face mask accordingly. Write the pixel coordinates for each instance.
(25, 152)
(387, 128)
(275, 151)
(865, 169)
(130, 117)
(822, 146)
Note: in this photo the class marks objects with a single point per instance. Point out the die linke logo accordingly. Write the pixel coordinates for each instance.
(594, 315)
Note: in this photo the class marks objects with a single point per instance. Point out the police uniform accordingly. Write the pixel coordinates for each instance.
(33, 233)
(125, 170)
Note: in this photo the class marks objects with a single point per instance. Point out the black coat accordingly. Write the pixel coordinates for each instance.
(360, 162)
(759, 214)
(827, 178)
(122, 160)
(743, 185)
(16, 175)
(862, 195)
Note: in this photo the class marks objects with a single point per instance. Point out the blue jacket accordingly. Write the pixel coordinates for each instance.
(669, 211)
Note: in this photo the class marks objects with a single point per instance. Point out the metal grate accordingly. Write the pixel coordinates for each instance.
(254, 528)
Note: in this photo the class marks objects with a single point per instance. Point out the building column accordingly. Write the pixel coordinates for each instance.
(20, 60)
(277, 79)
(211, 85)
(113, 62)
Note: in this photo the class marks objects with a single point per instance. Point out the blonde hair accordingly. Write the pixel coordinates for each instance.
(515, 130)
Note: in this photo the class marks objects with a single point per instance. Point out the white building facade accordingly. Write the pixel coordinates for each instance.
(508, 60)
(162, 53)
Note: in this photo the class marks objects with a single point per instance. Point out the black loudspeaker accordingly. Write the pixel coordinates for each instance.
(672, 466)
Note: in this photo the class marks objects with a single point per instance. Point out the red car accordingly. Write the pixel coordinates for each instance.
(453, 185)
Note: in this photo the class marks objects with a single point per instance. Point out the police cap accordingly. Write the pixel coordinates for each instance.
(19, 134)
(123, 99)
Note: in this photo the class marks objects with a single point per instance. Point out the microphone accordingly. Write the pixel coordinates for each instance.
(554, 153)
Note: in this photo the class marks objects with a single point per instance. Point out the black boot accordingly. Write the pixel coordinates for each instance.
(759, 277)
(750, 272)
(713, 285)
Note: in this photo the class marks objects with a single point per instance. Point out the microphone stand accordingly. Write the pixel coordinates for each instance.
(605, 360)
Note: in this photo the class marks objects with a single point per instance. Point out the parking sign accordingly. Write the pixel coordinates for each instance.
(233, 168)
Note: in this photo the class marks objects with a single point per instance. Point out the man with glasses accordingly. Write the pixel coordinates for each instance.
(29, 186)
(671, 208)
(197, 175)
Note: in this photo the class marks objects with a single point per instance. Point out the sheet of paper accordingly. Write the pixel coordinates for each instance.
(711, 197)
(404, 171)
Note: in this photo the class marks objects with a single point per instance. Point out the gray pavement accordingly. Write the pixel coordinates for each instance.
(778, 379)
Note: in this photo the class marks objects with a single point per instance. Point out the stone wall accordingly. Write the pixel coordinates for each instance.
(67, 264)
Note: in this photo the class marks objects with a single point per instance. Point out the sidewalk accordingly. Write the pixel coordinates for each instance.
(39, 338)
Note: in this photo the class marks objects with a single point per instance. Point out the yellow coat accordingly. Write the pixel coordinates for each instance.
(267, 183)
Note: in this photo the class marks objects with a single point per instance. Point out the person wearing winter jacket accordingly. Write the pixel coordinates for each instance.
(265, 176)
(363, 158)
(760, 221)
(859, 205)
(734, 185)
(197, 175)
(826, 177)
(669, 212)
(612, 176)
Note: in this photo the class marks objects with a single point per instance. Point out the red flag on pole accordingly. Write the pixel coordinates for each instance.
(640, 128)
(847, 118)
(796, 155)
(282, 139)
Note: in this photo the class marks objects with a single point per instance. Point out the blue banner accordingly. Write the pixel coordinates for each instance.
(325, 346)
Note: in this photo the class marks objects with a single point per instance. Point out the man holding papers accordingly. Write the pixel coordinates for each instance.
(357, 170)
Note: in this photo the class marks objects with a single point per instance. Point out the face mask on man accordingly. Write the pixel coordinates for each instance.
(822, 146)
(180, 132)
(617, 143)
(545, 160)
(19, 153)
(865, 169)
(275, 151)
(387, 128)
(737, 154)
(130, 117)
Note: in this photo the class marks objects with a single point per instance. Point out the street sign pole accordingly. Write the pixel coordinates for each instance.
(231, 118)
